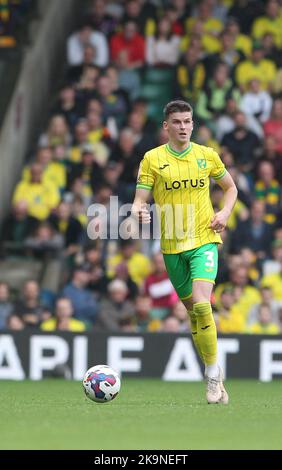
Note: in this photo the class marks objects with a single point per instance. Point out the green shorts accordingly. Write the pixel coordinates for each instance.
(197, 264)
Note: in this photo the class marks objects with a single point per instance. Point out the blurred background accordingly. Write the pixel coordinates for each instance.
(83, 85)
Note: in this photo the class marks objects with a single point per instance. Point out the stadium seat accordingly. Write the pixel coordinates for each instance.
(16, 271)
(158, 75)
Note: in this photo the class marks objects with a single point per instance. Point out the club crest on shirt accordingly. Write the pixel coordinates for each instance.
(202, 163)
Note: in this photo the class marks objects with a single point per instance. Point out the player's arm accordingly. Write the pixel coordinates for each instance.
(139, 208)
(144, 186)
(220, 219)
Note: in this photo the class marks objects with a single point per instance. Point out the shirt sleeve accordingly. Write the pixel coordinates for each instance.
(218, 169)
(145, 178)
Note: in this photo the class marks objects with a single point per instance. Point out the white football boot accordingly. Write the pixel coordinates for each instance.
(224, 399)
(213, 392)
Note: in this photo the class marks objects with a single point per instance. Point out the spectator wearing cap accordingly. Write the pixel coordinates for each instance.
(83, 300)
(115, 311)
(63, 320)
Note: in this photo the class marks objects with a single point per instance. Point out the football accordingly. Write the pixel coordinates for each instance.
(101, 383)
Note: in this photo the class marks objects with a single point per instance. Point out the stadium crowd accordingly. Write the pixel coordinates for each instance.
(126, 60)
(12, 16)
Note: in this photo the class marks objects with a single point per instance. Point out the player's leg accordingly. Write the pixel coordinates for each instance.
(188, 302)
(206, 328)
(203, 263)
(179, 271)
(177, 267)
(207, 337)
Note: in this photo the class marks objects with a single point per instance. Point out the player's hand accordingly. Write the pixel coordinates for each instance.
(141, 213)
(219, 221)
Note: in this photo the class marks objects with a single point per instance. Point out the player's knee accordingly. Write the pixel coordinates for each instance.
(202, 308)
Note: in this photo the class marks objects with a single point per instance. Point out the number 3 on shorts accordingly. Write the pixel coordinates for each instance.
(210, 259)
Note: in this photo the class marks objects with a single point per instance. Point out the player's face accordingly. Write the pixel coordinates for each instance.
(179, 127)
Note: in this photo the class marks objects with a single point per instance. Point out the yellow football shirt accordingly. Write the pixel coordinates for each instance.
(180, 185)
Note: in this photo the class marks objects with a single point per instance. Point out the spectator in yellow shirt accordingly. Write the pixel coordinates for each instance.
(41, 196)
(53, 171)
(139, 266)
(264, 325)
(245, 294)
(256, 67)
(271, 22)
(63, 320)
(242, 42)
(230, 319)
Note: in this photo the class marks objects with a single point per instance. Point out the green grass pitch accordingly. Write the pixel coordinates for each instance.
(147, 414)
